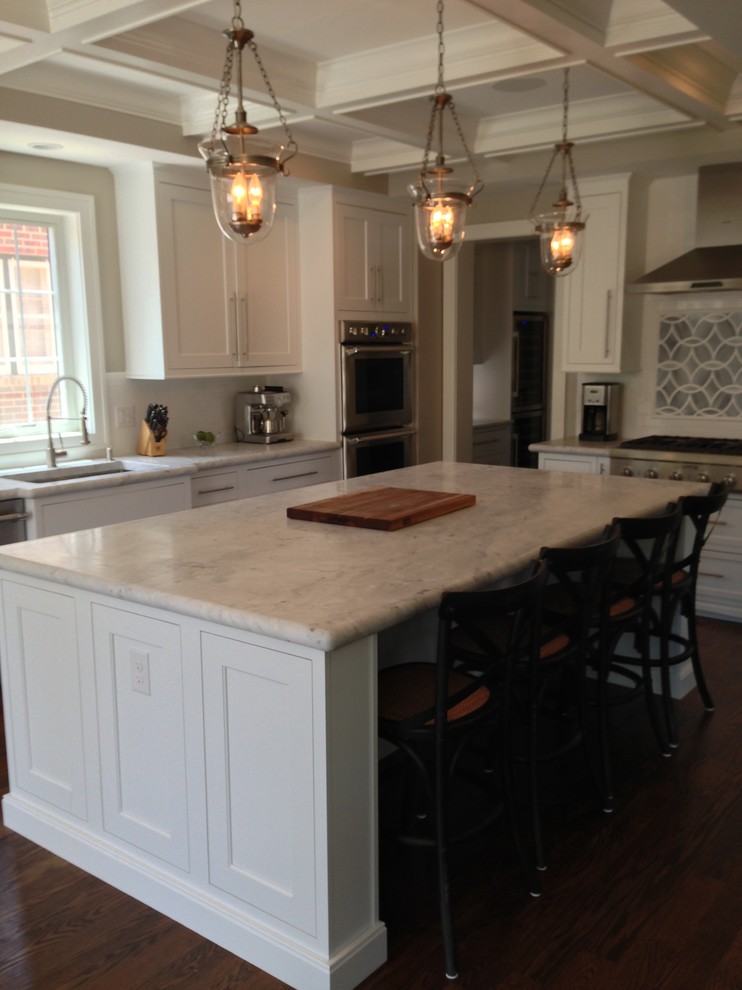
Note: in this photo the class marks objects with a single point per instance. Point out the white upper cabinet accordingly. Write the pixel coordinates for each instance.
(194, 303)
(590, 302)
(372, 260)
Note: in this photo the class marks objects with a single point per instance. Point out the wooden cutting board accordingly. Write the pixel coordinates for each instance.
(381, 508)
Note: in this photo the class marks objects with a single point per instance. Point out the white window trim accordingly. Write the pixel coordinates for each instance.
(82, 275)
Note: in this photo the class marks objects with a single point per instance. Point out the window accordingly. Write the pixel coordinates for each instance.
(28, 322)
(49, 317)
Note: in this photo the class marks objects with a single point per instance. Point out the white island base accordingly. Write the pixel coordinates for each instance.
(211, 774)
(190, 700)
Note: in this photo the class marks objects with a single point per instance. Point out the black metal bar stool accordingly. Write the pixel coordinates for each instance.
(681, 599)
(544, 704)
(640, 606)
(434, 713)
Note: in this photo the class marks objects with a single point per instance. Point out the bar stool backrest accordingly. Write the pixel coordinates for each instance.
(699, 509)
(651, 542)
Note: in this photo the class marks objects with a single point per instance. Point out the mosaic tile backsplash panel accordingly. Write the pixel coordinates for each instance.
(699, 366)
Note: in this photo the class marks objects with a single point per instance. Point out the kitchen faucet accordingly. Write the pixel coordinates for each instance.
(51, 453)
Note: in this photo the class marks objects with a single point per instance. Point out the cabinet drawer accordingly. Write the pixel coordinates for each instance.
(719, 589)
(208, 489)
(726, 536)
(291, 474)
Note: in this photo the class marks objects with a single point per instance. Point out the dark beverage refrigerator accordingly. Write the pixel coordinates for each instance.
(528, 402)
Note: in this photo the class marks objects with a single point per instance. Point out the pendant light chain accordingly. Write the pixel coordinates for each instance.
(568, 146)
(440, 87)
(443, 99)
(564, 149)
(243, 177)
(222, 103)
(290, 142)
(220, 117)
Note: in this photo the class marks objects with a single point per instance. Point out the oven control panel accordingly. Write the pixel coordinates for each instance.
(359, 331)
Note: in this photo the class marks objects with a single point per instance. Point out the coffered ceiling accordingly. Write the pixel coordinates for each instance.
(110, 80)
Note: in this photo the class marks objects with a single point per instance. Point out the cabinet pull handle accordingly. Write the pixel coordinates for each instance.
(608, 300)
(235, 327)
(515, 377)
(213, 491)
(290, 477)
(379, 284)
(12, 517)
(709, 574)
(244, 326)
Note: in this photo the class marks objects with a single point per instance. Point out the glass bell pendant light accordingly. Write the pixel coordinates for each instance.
(440, 202)
(561, 230)
(243, 184)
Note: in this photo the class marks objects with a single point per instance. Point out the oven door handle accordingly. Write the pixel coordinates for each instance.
(396, 434)
(379, 349)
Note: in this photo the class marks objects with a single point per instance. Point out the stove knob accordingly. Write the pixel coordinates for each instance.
(676, 476)
(702, 476)
(651, 473)
(627, 473)
(730, 481)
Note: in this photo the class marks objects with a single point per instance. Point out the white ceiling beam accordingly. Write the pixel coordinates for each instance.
(547, 19)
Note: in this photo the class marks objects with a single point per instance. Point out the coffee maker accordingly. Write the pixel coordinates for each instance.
(600, 410)
(261, 415)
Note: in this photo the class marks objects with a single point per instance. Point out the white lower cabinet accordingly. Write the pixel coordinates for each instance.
(260, 774)
(84, 510)
(210, 772)
(293, 474)
(212, 487)
(575, 463)
(719, 588)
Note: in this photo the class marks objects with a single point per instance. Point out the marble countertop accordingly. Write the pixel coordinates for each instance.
(187, 460)
(244, 564)
(573, 445)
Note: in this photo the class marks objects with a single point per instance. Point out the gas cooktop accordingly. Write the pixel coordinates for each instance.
(701, 459)
(687, 445)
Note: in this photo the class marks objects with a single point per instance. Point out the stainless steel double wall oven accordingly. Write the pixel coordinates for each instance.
(377, 374)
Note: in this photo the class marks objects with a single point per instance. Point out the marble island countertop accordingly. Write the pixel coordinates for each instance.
(244, 564)
(187, 460)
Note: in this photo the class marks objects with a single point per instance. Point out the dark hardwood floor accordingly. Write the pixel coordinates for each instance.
(648, 898)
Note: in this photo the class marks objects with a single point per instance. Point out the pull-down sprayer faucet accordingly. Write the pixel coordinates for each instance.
(51, 453)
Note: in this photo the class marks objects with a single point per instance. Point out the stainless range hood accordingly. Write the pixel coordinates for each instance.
(716, 263)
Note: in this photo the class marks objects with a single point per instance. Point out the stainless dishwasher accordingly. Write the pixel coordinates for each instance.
(12, 520)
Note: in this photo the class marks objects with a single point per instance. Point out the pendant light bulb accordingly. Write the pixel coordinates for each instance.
(561, 232)
(440, 202)
(243, 184)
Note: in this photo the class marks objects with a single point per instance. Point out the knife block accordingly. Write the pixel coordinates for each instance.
(146, 443)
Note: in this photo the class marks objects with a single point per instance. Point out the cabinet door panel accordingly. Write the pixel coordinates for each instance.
(268, 304)
(198, 318)
(354, 264)
(594, 306)
(139, 681)
(260, 772)
(392, 275)
(45, 700)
